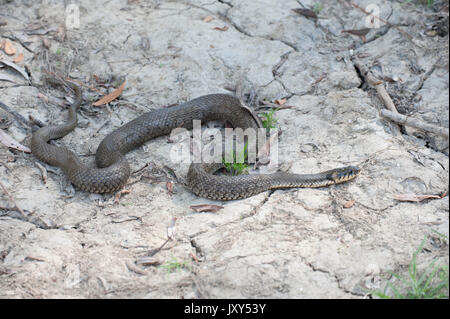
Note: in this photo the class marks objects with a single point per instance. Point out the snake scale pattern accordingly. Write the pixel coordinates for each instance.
(113, 169)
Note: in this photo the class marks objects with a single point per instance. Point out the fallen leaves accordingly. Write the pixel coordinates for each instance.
(169, 186)
(8, 47)
(111, 96)
(360, 33)
(46, 42)
(119, 194)
(206, 208)
(207, 19)
(349, 203)
(18, 58)
(416, 198)
(224, 28)
(280, 101)
(16, 68)
(306, 13)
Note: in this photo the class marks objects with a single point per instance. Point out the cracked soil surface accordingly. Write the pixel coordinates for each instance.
(297, 243)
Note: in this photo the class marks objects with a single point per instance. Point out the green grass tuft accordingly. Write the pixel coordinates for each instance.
(175, 265)
(317, 7)
(238, 166)
(269, 120)
(432, 283)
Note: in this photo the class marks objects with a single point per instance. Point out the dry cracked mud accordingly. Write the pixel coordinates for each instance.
(297, 243)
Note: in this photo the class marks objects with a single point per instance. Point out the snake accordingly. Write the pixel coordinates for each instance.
(113, 169)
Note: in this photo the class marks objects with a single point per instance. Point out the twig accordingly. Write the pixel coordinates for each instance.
(13, 201)
(43, 171)
(416, 123)
(14, 38)
(131, 266)
(377, 84)
(100, 127)
(76, 82)
(16, 115)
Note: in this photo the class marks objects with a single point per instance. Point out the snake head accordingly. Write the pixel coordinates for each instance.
(343, 174)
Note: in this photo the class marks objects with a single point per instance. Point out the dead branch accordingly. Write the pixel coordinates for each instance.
(416, 123)
(11, 199)
(377, 84)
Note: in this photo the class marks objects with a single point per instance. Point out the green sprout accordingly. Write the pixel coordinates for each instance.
(238, 166)
(174, 265)
(317, 7)
(432, 283)
(269, 121)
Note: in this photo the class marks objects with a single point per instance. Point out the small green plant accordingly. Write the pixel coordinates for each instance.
(174, 265)
(429, 3)
(58, 51)
(317, 7)
(238, 166)
(269, 120)
(431, 284)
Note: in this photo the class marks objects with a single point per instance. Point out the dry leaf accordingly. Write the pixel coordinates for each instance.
(119, 194)
(46, 43)
(349, 203)
(169, 186)
(18, 58)
(206, 208)
(147, 261)
(111, 96)
(61, 34)
(415, 197)
(8, 141)
(207, 19)
(306, 13)
(361, 32)
(43, 97)
(225, 28)
(9, 48)
(17, 68)
(280, 102)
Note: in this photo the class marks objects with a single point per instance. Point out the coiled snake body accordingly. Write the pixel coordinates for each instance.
(113, 169)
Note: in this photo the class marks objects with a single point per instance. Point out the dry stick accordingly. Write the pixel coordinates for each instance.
(379, 86)
(418, 124)
(13, 201)
(76, 82)
(392, 114)
(16, 115)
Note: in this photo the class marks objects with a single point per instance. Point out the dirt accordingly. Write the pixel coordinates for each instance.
(297, 243)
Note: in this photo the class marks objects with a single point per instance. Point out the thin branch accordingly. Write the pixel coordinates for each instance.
(377, 84)
(17, 208)
(416, 123)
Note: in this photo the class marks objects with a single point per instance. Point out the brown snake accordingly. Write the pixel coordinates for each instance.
(113, 169)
